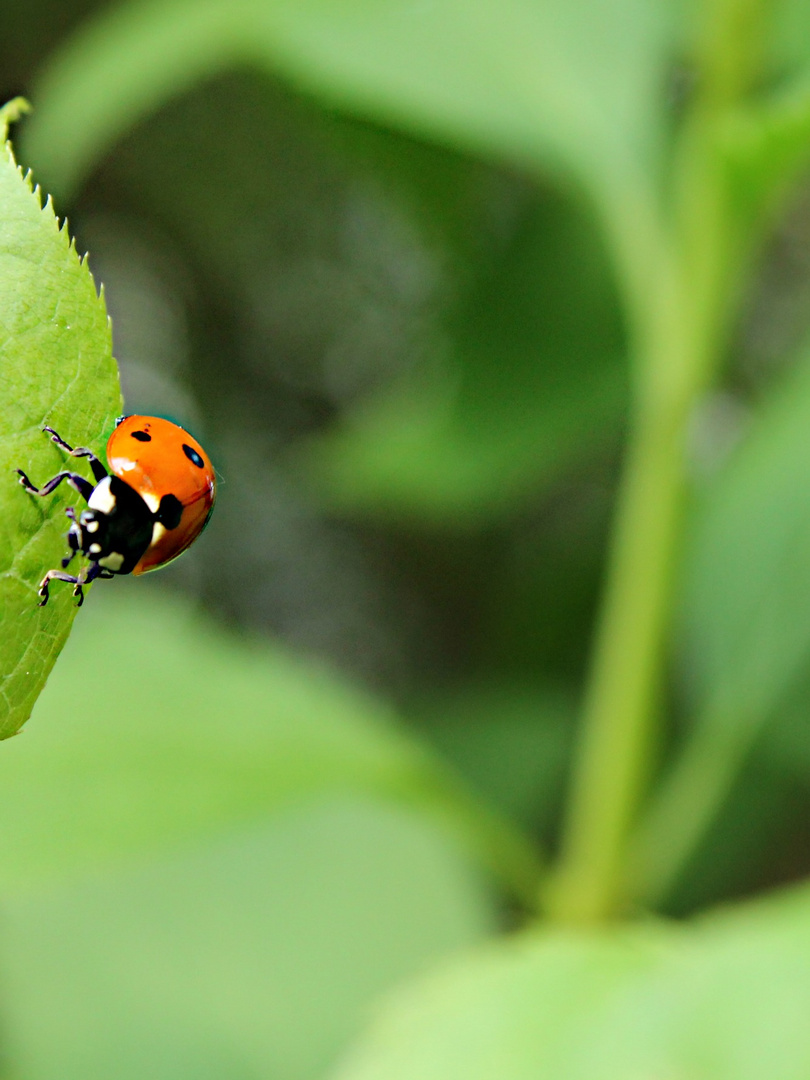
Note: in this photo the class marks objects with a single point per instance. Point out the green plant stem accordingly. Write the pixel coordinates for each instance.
(675, 313)
(677, 349)
(681, 285)
(619, 709)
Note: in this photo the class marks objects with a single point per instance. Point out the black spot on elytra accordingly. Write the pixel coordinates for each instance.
(193, 456)
(170, 511)
(141, 436)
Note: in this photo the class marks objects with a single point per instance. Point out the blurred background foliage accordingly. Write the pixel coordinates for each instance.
(393, 264)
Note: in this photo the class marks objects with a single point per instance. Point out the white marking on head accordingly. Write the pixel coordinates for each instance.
(151, 500)
(91, 526)
(94, 549)
(101, 498)
(113, 561)
(159, 530)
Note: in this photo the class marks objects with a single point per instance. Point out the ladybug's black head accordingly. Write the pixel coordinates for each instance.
(94, 534)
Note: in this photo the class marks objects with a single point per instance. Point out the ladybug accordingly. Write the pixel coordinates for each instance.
(155, 500)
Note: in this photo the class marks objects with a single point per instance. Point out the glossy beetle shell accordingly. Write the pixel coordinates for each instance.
(158, 458)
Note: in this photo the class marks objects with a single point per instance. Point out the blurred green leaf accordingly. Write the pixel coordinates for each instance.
(746, 620)
(255, 955)
(157, 728)
(508, 739)
(577, 86)
(535, 383)
(495, 298)
(788, 40)
(726, 998)
(756, 835)
(786, 739)
(57, 368)
(763, 143)
(745, 626)
(764, 148)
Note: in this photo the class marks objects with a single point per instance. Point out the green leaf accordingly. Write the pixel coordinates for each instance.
(751, 838)
(745, 627)
(763, 143)
(764, 148)
(57, 369)
(534, 384)
(785, 741)
(788, 39)
(573, 86)
(746, 622)
(726, 998)
(157, 728)
(510, 739)
(253, 954)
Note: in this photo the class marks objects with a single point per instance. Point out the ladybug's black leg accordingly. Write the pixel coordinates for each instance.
(59, 575)
(84, 577)
(72, 539)
(80, 451)
(80, 483)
